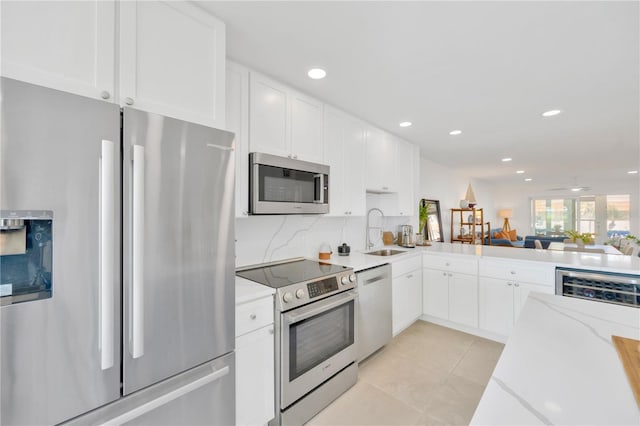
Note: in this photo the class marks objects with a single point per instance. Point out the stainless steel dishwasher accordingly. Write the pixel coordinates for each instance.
(374, 309)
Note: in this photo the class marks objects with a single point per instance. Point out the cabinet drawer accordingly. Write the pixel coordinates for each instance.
(401, 267)
(541, 273)
(253, 315)
(453, 264)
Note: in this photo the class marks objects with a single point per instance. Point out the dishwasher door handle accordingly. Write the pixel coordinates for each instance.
(373, 280)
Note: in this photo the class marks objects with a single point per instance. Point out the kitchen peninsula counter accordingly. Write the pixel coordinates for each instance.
(561, 367)
(591, 261)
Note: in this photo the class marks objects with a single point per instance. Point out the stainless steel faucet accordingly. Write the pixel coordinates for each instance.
(369, 228)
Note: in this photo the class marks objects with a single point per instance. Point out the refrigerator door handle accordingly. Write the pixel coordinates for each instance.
(107, 256)
(168, 397)
(137, 291)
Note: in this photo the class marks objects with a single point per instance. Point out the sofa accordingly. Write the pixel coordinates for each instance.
(545, 241)
(501, 241)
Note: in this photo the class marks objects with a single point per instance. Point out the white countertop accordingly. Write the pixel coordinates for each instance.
(560, 366)
(593, 261)
(247, 290)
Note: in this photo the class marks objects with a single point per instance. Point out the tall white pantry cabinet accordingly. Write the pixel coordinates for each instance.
(162, 57)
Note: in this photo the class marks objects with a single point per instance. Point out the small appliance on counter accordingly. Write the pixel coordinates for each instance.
(406, 237)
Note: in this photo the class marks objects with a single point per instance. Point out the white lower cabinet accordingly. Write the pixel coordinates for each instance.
(450, 289)
(406, 293)
(502, 291)
(255, 362)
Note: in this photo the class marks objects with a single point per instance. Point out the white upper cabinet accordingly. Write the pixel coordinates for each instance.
(68, 46)
(344, 142)
(237, 114)
(269, 116)
(283, 121)
(306, 128)
(380, 161)
(405, 177)
(172, 61)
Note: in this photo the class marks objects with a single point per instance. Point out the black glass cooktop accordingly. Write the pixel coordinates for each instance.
(284, 274)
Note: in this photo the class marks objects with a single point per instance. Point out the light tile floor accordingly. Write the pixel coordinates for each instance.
(427, 375)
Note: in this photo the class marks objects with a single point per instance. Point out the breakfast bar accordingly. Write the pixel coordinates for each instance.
(560, 366)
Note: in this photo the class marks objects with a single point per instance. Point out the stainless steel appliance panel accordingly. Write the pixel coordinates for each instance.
(280, 185)
(60, 355)
(608, 287)
(204, 395)
(374, 310)
(178, 279)
(317, 341)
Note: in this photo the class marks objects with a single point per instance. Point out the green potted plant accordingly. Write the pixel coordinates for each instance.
(422, 217)
(580, 238)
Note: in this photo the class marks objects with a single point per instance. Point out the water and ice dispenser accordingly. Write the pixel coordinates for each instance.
(26, 256)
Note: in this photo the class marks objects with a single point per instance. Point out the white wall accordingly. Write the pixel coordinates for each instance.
(449, 186)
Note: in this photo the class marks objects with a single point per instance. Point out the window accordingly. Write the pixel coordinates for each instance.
(606, 216)
(553, 216)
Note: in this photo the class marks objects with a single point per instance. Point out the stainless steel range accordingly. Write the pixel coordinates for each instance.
(315, 334)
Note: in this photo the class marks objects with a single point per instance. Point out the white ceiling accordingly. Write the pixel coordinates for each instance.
(487, 68)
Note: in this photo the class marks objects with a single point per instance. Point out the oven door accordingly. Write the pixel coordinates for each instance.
(318, 340)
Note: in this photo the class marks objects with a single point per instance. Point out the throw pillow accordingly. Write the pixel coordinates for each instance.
(501, 235)
(513, 235)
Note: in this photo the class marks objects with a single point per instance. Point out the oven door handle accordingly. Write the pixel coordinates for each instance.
(310, 311)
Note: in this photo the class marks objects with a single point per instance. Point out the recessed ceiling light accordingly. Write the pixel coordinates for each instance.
(506, 159)
(551, 113)
(455, 132)
(405, 124)
(528, 179)
(317, 73)
(576, 189)
(520, 172)
(633, 172)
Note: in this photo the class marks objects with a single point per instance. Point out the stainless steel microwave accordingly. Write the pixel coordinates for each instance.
(280, 185)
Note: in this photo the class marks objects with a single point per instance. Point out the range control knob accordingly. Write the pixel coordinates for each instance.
(299, 293)
(287, 297)
(344, 280)
(352, 278)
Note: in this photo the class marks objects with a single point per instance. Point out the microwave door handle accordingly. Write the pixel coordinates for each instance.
(319, 185)
(305, 313)
(137, 278)
(107, 256)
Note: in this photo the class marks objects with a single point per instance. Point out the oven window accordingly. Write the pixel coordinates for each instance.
(285, 185)
(316, 339)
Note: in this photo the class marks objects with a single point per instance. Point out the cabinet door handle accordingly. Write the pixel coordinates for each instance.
(516, 284)
(513, 272)
(509, 283)
(444, 274)
(252, 316)
(447, 264)
(410, 276)
(128, 101)
(450, 275)
(271, 330)
(105, 95)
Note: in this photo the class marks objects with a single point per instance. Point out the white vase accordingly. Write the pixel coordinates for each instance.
(464, 204)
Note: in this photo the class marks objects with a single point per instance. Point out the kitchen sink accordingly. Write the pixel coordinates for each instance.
(386, 252)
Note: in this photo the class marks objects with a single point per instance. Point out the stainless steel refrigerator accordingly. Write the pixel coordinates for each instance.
(116, 264)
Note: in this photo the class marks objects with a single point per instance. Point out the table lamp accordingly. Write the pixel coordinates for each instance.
(505, 214)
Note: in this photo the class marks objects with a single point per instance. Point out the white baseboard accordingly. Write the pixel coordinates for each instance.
(465, 328)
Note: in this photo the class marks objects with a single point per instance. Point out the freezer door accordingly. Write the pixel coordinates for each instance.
(60, 356)
(202, 396)
(178, 246)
